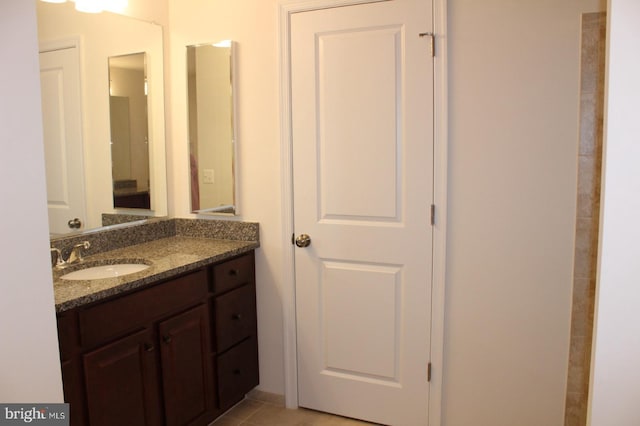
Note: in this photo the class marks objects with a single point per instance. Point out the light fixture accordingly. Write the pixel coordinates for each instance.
(89, 6)
(223, 43)
(96, 6)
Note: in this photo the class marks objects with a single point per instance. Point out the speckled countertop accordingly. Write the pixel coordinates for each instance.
(170, 248)
(167, 257)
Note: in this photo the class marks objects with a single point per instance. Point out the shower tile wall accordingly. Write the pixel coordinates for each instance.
(590, 160)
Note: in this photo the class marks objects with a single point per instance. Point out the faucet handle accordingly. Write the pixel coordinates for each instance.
(57, 260)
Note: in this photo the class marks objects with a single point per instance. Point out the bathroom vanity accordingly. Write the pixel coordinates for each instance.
(175, 344)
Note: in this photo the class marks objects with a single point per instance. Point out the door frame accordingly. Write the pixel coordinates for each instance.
(285, 9)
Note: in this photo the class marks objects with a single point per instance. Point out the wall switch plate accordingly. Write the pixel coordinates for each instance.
(208, 176)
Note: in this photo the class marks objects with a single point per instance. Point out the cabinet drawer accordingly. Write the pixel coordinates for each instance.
(235, 314)
(237, 372)
(233, 273)
(117, 317)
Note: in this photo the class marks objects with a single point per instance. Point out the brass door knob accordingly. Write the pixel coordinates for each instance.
(74, 223)
(303, 240)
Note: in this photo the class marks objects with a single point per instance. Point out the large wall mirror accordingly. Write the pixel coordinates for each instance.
(108, 145)
(212, 135)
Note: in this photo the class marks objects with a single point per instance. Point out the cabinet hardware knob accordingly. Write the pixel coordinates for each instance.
(236, 317)
(149, 347)
(233, 272)
(237, 372)
(166, 339)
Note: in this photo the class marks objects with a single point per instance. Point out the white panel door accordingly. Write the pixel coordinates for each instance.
(62, 123)
(362, 125)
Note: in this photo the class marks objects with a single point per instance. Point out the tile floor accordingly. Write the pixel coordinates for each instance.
(262, 409)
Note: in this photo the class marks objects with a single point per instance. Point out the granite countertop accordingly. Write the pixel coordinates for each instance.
(167, 257)
(129, 191)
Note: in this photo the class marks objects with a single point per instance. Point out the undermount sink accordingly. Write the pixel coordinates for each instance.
(105, 271)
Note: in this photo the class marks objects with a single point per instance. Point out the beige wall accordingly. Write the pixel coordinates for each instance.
(252, 24)
(513, 105)
(29, 360)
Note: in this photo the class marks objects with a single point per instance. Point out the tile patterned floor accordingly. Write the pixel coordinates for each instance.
(265, 410)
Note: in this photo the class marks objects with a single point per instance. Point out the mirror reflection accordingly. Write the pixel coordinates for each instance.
(129, 131)
(80, 175)
(211, 128)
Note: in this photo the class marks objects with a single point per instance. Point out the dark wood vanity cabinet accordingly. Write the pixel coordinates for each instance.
(180, 352)
(236, 344)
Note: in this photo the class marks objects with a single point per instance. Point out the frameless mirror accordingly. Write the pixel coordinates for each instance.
(75, 52)
(129, 131)
(212, 144)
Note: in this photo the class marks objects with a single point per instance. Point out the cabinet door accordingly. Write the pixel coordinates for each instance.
(122, 381)
(73, 395)
(186, 373)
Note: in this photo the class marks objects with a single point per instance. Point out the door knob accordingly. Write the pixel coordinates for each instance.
(303, 240)
(74, 223)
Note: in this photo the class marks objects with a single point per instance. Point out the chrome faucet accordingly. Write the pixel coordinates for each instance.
(74, 257)
(76, 252)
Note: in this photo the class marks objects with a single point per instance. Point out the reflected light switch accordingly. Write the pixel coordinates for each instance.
(208, 176)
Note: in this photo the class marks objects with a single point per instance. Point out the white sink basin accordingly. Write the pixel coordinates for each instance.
(105, 271)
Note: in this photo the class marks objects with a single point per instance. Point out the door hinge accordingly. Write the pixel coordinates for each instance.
(429, 372)
(432, 37)
(433, 214)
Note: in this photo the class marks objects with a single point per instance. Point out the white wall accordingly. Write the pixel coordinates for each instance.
(29, 361)
(252, 24)
(514, 98)
(615, 389)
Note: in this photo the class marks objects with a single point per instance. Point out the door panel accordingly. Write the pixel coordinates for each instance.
(61, 118)
(187, 376)
(123, 374)
(350, 345)
(362, 125)
(370, 81)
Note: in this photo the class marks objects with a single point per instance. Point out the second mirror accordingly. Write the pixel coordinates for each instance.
(212, 144)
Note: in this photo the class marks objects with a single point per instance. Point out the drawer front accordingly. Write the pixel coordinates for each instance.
(117, 317)
(235, 314)
(233, 273)
(237, 372)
